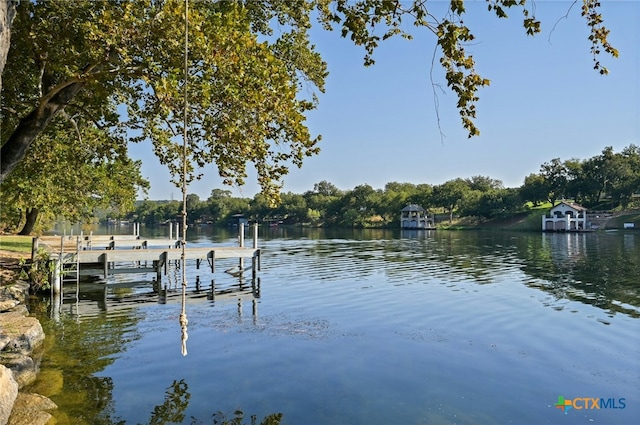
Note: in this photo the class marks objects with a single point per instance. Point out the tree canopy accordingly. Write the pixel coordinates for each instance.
(71, 179)
(613, 183)
(252, 71)
(612, 174)
(243, 86)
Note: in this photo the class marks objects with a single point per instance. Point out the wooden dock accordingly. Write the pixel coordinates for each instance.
(112, 254)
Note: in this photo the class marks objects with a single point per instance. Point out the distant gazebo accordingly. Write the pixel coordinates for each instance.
(413, 216)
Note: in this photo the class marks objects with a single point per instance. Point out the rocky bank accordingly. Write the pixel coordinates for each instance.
(21, 338)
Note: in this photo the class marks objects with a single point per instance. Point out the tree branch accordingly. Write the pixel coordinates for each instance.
(30, 127)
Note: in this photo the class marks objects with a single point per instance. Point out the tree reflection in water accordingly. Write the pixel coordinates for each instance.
(176, 401)
(238, 419)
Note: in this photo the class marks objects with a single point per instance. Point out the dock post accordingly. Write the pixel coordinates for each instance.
(170, 231)
(56, 305)
(212, 254)
(56, 276)
(241, 242)
(158, 267)
(254, 310)
(253, 266)
(35, 242)
(105, 265)
(255, 235)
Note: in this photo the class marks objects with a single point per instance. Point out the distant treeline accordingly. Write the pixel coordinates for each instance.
(605, 181)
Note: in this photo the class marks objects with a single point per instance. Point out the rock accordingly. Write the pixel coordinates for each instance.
(18, 290)
(21, 340)
(24, 369)
(21, 309)
(8, 393)
(8, 304)
(20, 336)
(25, 333)
(30, 409)
(4, 340)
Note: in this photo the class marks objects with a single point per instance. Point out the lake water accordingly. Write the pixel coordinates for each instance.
(361, 327)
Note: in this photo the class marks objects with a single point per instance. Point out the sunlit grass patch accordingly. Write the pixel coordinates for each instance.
(15, 243)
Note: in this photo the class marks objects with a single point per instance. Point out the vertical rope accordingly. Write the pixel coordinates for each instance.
(183, 313)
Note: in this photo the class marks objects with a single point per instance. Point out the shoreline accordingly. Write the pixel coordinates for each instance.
(21, 340)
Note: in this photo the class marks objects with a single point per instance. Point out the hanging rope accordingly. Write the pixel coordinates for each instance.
(183, 313)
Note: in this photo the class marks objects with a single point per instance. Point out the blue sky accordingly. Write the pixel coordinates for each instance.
(379, 124)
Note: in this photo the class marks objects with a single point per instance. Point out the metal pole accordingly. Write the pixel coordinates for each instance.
(255, 235)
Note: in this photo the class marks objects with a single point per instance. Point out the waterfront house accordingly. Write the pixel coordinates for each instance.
(413, 216)
(565, 217)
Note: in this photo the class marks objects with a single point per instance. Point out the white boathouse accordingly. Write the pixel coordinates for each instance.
(413, 216)
(565, 217)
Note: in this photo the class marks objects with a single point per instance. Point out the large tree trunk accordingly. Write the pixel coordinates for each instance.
(32, 219)
(7, 13)
(14, 150)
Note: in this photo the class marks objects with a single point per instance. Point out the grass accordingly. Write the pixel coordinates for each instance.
(618, 221)
(16, 243)
(526, 221)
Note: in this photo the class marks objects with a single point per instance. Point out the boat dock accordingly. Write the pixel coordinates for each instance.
(112, 254)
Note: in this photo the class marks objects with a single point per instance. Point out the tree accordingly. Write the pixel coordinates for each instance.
(7, 13)
(364, 20)
(395, 197)
(356, 207)
(221, 205)
(148, 212)
(293, 208)
(423, 196)
(244, 85)
(592, 179)
(321, 197)
(555, 178)
(575, 177)
(326, 188)
(72, 180)
(245, 79)
(484, 183)
(624, 175)
(499, 203)
(449, 194)
(534, 189)
(193, 204)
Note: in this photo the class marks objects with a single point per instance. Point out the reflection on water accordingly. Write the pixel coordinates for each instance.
(88, 299)
(367, 326)
(601, 270)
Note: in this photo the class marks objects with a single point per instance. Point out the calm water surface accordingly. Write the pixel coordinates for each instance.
(360, 327)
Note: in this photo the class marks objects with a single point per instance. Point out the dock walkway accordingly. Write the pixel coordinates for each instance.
(114, 254)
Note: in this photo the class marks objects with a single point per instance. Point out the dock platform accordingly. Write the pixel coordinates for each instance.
(112, 254)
